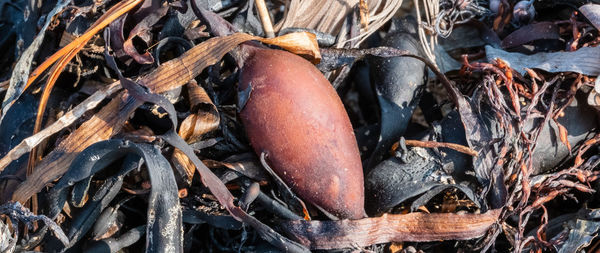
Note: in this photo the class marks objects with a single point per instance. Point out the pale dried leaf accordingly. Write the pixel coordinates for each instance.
(301, 43)
(204, 118)
(364, 13)
(184, 167)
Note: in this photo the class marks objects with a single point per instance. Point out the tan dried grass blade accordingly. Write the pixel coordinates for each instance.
(325, 16)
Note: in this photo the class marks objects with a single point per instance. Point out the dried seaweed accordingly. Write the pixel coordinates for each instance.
(164, 212)
(17, 213)
(105, 123)
(494, 147)
(399, 83)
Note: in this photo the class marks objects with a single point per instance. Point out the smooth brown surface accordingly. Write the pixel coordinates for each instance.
(414, 227)
(296, 117)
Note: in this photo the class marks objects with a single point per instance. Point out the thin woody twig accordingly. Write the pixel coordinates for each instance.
(435, 144)
(265, 18)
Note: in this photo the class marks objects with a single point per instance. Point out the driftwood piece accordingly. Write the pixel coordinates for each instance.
(416, 227)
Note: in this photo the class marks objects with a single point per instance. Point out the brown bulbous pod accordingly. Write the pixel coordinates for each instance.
(291, 112)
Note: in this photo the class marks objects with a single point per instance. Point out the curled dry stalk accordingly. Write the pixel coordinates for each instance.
(203, 119)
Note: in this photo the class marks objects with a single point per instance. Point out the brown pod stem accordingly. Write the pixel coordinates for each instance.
(292, 113)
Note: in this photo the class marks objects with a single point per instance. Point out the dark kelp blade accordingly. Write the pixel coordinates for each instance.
(21, 71)
(581, 230)
(191, 216)
(164, 211)
(22, 115)
(579, 121)
(84, 221)
(117, 244)
(397, 179)
(398, 83)
(110, 221)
